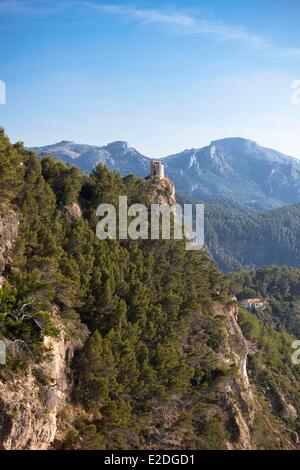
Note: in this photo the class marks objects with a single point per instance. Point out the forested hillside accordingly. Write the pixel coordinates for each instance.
(237, 240)
(133, 297)
(122, 344)
(279, 286)
(268, 329)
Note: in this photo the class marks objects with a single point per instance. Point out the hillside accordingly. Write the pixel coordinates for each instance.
(279, 287)
(237, 239)
(236, 234)
(232, 169)
(120, 344)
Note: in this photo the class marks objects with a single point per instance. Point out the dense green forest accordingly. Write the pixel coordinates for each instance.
(134, 297)
(279, 287)
(238, 240)
(156, 314)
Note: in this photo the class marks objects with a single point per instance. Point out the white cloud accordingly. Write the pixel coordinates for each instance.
(183, 23)
(174, 20)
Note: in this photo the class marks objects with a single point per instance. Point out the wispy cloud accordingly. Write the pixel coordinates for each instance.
(183, 23)
(174, 20)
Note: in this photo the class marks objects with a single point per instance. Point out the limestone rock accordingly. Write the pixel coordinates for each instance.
(29, 406)
(162, 191)
(73, 210)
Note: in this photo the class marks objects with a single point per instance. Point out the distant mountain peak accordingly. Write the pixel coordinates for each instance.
(64, 142)
(234, 142)
(118, 144)
(232, 167)
(116, 155)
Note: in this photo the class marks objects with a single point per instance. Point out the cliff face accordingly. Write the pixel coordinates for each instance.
(162, 191)
(234, 402)
(30, 403)
(247, 408)
(238, 400)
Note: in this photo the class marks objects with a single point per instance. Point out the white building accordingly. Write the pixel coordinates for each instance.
(253, 303)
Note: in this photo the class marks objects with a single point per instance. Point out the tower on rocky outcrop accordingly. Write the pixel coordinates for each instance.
(157, 169)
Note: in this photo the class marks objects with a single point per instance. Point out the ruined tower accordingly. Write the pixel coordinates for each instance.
(157, 169)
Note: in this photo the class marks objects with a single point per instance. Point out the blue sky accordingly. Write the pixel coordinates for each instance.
(162, 75)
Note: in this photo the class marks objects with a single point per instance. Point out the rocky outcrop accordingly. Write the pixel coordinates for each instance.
(162, 191)
(73, 210)
(246, 407)
(238, 399)
(30, 401)
(280, 405)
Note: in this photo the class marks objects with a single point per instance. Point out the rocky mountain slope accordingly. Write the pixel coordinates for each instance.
(231, 169)
(121, 344)
(239, 169)
(38, 413)
(116, 156)
(31, 403)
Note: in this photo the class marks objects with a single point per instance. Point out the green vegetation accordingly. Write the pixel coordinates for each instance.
(152, 367)
(270, 367)
(271, 332)
(239, 240)
(135, 298)
(279, 286)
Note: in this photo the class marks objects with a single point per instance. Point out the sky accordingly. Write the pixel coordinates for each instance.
(162, 75)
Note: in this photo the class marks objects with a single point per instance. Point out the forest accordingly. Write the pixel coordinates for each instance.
(157, 316)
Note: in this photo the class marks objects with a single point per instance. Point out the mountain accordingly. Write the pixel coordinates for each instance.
(237, 235)
(123, 344)
(239, 169)
(116, 156)
(233, 169)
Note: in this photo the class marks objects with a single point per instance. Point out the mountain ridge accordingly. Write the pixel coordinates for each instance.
(235, 168)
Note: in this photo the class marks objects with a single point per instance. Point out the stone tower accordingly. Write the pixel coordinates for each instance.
(157, 169)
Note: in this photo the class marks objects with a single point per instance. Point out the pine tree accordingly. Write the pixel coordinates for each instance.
(97, 374)
(11, 171)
